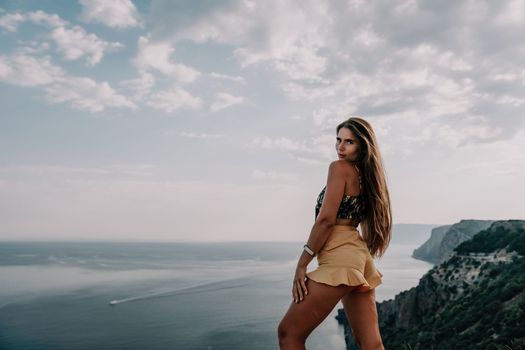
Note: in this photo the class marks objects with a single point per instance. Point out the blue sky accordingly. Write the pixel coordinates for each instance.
(215, 120)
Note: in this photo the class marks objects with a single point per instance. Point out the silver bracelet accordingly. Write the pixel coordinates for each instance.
(308, 250)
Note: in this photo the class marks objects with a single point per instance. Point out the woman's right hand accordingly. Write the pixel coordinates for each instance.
(299, 285)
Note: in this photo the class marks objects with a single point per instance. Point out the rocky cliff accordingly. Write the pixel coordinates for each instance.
(444, 239)
(473, 300)
(429, 250)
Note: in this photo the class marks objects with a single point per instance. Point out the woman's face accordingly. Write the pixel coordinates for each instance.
(347, 145)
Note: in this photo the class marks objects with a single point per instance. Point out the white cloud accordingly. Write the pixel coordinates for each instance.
(236, 78)
(224, 100)
(174, 99)
(157, 56)
(32, 47)
(80, 92)
(510, 100)
(470, 131)
(75, 43)
(114, 13)
(426, 53)
(140, 86)
(10, 21)
(307, 93)
(26, 70)
(168, 100)
(437, 63)
(512, 14)
(86, 94)
(367, 37)
(287, 35)
(41, 17)
(301, 63)
(320, 146)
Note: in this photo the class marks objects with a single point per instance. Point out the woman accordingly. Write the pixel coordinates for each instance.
(355, 194)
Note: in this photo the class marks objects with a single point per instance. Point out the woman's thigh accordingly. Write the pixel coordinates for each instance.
(361, 312)
(302, 318)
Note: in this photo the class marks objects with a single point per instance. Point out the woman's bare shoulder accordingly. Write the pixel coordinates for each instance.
(340, 167)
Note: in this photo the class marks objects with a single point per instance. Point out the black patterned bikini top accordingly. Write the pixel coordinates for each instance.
(351, 207)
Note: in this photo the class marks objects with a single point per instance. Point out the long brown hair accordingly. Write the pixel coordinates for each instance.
(377, 223)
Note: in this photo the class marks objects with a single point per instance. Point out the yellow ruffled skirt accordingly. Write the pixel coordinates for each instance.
(345, 259)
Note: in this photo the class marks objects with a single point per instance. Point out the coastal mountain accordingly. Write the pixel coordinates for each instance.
(473, 300)
(444, 239)
(428, 251)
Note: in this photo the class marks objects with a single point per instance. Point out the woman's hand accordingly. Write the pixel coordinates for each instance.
(299, 285)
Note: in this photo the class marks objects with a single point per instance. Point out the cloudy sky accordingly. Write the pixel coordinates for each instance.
(215, 120)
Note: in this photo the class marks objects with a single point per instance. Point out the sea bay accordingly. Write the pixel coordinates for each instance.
(123, 295)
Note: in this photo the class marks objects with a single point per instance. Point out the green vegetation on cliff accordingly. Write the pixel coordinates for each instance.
(488, 313)
(498, 237)
(489, 317)
(473, 300)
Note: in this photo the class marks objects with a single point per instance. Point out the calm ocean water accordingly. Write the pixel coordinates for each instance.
(163, 295)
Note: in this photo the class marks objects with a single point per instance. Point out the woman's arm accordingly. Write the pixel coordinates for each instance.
(335, 189)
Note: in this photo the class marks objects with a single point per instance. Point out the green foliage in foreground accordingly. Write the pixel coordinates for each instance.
(490, 240)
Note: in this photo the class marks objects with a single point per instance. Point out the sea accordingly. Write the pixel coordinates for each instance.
(188, 296)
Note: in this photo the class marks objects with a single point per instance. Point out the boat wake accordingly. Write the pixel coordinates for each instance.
(198, 288)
